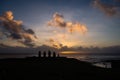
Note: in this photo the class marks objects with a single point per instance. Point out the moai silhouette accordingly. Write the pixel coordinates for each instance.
(44, 54)
(39, 53)
(54, 54)
(49, 53)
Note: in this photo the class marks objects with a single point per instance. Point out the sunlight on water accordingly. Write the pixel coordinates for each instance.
(103, 64)
(96, 60)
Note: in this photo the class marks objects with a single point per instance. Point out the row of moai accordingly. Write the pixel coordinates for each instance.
(48, 54)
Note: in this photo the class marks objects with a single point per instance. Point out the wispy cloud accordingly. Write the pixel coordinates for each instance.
(59, 21)
(108, 9)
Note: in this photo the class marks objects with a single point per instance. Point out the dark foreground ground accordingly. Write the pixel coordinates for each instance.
(59, 68)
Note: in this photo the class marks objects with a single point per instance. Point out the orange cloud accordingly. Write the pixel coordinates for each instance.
(55, 43)
(77, 27)
(8, 15)
(58, 21)
(29, 37)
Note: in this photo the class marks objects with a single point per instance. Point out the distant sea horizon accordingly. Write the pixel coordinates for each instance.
(89, 57)
(94, 58)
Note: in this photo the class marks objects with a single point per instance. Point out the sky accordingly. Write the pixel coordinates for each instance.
(60, 23)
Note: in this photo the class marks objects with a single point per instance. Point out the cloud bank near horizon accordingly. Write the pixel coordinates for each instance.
(80, 50)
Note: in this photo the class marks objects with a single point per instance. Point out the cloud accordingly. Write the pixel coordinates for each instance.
(108, 9)
(14, 29)
(3, 45)
(28, 43)
(58, 21)
(30, 31)
(94, 50)
(55, 43)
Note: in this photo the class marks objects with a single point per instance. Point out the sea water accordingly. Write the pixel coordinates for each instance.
(95, 59)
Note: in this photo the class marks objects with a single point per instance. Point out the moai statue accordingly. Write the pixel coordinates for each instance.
(54, 54)
(39, 54)
(49, 53)
(44, 54)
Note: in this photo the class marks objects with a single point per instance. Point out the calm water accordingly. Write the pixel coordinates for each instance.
(93, 58)
(97, 60)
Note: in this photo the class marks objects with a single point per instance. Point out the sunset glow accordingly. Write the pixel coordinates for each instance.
(86, 24)
(69, 52)
(59, 39)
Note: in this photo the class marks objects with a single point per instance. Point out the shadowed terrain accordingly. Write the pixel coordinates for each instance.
(52, 68)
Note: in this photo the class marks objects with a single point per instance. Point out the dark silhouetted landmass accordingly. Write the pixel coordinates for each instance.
(53, 68)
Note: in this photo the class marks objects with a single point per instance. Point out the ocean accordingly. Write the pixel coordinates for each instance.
(95, 59)
(92, 57)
